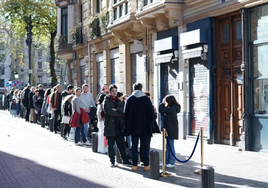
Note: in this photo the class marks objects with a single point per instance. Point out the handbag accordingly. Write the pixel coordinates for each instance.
(155, 128)
(71, 134)
(65, 119)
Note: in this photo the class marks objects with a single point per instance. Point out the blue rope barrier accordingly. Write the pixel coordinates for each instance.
(190, 155)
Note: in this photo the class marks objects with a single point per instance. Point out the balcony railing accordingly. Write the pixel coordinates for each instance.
(63, 41)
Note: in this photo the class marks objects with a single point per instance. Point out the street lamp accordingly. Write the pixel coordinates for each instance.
(16, 75)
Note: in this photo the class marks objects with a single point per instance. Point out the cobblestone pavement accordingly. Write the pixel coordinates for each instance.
(31, 156)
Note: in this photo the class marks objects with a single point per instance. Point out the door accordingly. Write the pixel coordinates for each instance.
(229, 91)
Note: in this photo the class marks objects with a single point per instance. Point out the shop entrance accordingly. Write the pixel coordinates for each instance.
(229, 88)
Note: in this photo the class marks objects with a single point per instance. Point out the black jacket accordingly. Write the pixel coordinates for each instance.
(42, 93)
(25, 101)
(139, 115)
(30, 98)
(170, 119)
(67, 109)
(37, 101)
(111, 117)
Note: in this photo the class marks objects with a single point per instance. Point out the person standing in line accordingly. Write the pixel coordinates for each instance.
(139, 114)
(45, 106)
(87, 102)
(13, 108)
(31, 104)
(169, 108)
(25, 101)
(16, 97)
(114, 126)
(104, 91)
(76, 103)
(38, 101)
(41, 90)
(102, 148)
(56, 100)
(67, 108)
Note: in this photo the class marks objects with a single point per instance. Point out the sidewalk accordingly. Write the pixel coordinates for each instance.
(27, 151)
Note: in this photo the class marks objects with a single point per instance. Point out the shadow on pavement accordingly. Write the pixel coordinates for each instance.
(20, 172)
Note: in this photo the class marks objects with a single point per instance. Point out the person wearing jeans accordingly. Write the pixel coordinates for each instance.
(169, 109)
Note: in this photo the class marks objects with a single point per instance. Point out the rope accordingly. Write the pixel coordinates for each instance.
(190, 155)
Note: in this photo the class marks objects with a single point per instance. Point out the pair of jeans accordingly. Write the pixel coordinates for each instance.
(78, 130)
(18, 108)
(86, 129)
(120, 142)
(169, 157)
(144, 149)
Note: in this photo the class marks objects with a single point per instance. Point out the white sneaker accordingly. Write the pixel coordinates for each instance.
(80, 144)
(170, 166)
(87, 143)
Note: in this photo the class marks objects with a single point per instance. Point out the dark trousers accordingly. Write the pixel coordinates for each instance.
(66, 129)
(55, 120)
(119, 140)
(144, 147)
(27, 114)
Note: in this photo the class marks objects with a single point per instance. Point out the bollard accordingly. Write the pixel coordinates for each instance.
(95, 142)
(35, 117)
(42, 119)
(51, 124)
(207, 177)
(154, 165)
(61, 129)
(118, 156)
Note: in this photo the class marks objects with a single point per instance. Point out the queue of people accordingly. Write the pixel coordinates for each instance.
(123, 121)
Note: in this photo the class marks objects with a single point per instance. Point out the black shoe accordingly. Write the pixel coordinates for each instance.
(127, 163)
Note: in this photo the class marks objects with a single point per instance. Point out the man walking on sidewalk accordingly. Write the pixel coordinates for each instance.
(114, 127)
(139, 115)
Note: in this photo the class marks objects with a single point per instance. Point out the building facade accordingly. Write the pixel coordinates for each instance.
(209, 54)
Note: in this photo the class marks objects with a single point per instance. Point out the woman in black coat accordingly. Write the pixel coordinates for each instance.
(169, 109)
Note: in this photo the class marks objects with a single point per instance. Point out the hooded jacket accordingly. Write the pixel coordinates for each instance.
(139, 114)
(170, 119)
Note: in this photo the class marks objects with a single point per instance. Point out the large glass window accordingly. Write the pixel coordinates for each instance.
(64, 21)
(259, 57)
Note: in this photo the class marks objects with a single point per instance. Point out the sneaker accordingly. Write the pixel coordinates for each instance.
(87, 143)
(170, 166)
(127, 163)
(146, 168)
(80, 144)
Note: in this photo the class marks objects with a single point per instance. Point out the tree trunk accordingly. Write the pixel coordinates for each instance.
(52, 60)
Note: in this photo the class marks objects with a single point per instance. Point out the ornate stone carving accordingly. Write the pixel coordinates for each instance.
(150, 24)
(162, 20)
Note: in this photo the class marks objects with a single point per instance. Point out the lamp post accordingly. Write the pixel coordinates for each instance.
(28, 28)
(16, 75)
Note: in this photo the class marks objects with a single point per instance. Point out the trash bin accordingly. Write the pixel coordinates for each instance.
(207, 177)
(95, 142)
(51, 124)
(154, 165)
(42, 119)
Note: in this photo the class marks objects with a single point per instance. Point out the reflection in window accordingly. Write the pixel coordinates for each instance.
(260, 96)
(260, 57)
(225, 33)
(120, 11)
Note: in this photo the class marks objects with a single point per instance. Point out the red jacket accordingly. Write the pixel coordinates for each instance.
(76, 116)
(84, 116)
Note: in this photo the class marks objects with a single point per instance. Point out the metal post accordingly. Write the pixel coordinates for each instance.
(164, 173)
(202, 151)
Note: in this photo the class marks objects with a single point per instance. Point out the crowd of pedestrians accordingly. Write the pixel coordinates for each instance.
(121, 121)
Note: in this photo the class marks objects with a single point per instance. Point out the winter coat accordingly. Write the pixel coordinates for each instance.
(42, 93)
(67, 106)
(170, 119)
(112, 117)
(25, 100)
(38, 101)
(139, 114)
(30, 97)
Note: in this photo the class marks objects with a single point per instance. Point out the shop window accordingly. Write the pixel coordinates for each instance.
(260, 57)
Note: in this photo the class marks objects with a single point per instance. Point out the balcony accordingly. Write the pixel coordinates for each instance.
(159, 15)
(64, 49)
(93, 28)
(123, 22)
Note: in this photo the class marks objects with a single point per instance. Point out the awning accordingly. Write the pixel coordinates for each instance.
(166, 58)
(195, 52)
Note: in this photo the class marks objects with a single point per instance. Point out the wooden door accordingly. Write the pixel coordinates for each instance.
(229, 92)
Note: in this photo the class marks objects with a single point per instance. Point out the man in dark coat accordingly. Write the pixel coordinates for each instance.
(139, 115)
(41, 90)
(25, 101)
(31, 103)
(114, 127)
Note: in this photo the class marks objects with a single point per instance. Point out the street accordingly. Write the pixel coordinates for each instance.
(31, 156)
